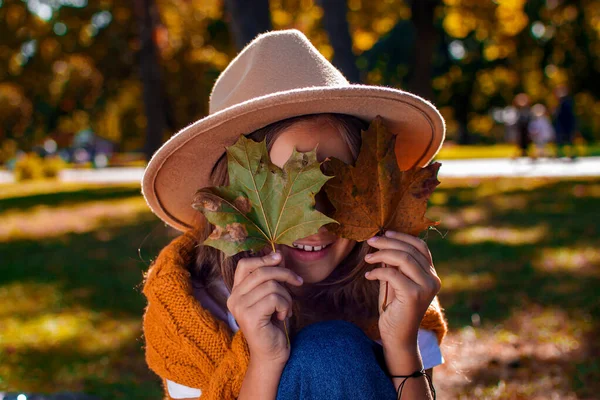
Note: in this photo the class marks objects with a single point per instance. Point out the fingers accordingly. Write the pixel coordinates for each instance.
(419, 244)
(248, 265)
(403, 286)
(264, 274)
(271, 304)
(383, 242)
(403, 261)
(265, 289)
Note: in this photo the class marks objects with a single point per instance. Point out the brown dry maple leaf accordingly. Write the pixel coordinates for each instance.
(374, 196)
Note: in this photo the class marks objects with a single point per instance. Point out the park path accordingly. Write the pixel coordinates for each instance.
(522, 167)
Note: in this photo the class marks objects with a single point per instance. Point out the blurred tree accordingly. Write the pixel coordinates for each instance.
(335, 22)
(155, 102)
(423, 12)
(15, 110)
(248, 19)
(77, 64)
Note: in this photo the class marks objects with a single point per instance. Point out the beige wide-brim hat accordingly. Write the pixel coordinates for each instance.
(277, 76)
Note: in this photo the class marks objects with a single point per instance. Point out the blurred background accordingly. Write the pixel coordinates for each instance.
(89, 89)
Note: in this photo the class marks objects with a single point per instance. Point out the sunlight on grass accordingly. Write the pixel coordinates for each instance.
(34, 316)
(28, 298)
(493, 187)
(587, 191)
(459, 282)
(85, 331)
(438, 198)
(466, 216)
(452, 151)
(517, 257)
(32, 188)
(550, 332)
(582, 259)
(528, 354)
(512, 236)
(43, 222)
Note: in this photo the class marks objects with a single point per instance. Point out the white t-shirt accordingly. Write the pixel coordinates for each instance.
(426, 340)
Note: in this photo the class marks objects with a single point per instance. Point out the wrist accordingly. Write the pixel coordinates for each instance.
(403, 344)
(402, 360)
(268, 366)
(261, 380)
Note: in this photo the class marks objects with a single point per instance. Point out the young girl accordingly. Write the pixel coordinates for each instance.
(214, 325)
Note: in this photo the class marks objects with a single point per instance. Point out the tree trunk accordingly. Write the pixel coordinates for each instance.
(426, 37)
(336, 24)
(248, 19)
(150, 74)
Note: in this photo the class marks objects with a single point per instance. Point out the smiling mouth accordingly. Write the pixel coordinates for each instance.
(309, 248)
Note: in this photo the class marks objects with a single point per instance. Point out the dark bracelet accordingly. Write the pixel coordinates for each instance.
(415, 374)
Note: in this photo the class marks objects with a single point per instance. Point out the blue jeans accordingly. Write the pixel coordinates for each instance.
(335, 360)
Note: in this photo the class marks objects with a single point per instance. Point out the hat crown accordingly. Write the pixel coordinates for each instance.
(273, 62)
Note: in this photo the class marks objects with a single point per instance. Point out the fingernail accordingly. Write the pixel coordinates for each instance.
(368, 256)
(390, 233)
(299, 278)
(367, 274)
(276, 256)
(373, 239)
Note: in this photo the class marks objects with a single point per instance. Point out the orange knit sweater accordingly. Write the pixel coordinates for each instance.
(186, 344)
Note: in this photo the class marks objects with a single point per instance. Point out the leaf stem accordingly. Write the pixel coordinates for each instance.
(287, 335)
(384, 305)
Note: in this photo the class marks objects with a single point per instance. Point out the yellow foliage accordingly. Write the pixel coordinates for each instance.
(459, 23)
(29, 167)
(439, 82)
(281, 18)
(15, 109)
(491, 52)
(127, 101)
(33, 167)
(326, 50)
(52, 166)
(511, 18)
(364, 40)
(480, 123)
(77, 78)
(15, 16)
(369, 20)
(15, 65)
(383, 25)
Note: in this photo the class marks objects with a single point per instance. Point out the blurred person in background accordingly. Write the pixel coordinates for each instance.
(521, 127)
(564, 122)
(540, 129)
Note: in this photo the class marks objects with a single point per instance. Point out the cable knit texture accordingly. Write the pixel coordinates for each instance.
(186, 344)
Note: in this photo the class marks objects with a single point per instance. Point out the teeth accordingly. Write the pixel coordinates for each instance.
(309, 248)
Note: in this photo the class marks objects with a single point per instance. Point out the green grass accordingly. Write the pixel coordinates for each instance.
(521, 273)
(451, 151)
(518, 260)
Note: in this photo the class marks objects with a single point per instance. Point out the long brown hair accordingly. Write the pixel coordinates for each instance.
(341, 295)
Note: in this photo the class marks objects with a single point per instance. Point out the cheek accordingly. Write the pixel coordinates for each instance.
(343, 248)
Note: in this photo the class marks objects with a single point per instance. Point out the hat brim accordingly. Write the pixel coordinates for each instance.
(184, 163)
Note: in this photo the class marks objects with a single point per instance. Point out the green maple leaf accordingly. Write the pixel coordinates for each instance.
(263, 205)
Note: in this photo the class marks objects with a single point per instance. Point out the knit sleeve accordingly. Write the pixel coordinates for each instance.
(435, 321)
(184, 342)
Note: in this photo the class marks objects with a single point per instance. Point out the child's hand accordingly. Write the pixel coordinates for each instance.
(260, 303)
(413, 284)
